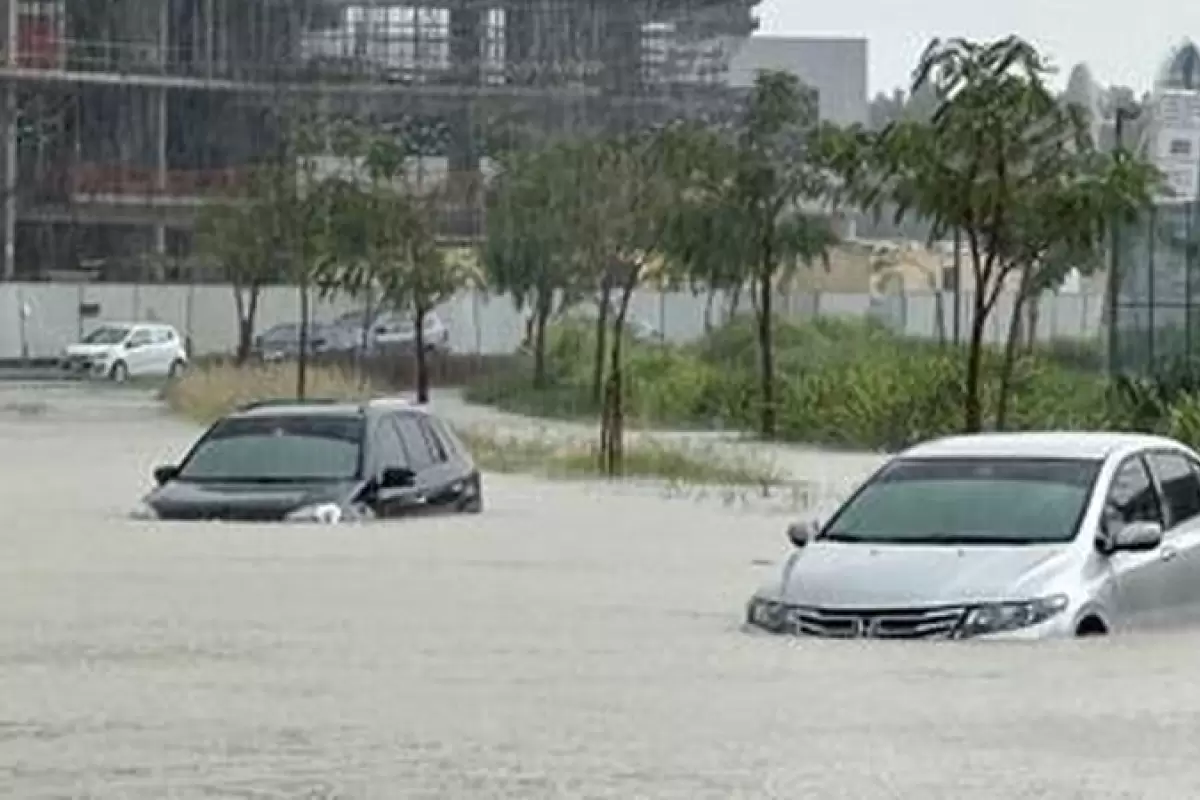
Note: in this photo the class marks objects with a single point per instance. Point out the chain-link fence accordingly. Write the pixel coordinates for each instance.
(1158, 311)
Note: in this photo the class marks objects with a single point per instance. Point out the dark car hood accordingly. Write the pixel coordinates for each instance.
(244, 501)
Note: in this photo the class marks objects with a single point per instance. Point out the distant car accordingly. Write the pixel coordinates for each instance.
(283, 341)
(321, 462)
(1024, 535)
(644, 331)
(390, 331)
(121, 350)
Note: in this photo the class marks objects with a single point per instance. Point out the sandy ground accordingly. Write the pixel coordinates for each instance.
(571, 642)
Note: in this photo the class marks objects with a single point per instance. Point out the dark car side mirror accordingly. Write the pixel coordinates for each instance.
(801, 533)
(165, 474)
(397, 478)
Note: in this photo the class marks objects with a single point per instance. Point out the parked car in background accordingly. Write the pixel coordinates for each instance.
(397, 332)
(121, 350)
(322, 462)
(282, 341)
(390, 331)
(1024, 535)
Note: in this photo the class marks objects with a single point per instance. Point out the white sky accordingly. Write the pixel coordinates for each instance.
(1123, 41)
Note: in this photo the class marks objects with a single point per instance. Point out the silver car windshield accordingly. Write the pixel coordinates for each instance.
(107, 334)
(966, 501)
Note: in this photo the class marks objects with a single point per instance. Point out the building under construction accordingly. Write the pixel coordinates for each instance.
(120, 117)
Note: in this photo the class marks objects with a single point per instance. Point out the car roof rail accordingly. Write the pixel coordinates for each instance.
(289, 401)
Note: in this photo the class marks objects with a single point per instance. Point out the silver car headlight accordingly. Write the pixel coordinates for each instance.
(765, 613)
(1006, 617)
(323, 513)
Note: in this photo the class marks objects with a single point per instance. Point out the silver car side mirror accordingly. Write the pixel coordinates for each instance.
(1136, 537)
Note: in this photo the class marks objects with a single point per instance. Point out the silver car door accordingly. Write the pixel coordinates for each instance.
(1143, 595)
(1178, 481)
(139, 352)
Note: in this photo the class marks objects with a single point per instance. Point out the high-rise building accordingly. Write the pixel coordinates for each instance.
(118, 118)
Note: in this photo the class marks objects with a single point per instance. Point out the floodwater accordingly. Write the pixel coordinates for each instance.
(571, 642)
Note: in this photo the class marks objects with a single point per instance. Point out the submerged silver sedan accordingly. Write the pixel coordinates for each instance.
(1023, 535)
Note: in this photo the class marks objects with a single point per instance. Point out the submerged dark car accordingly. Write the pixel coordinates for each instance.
(322, 462)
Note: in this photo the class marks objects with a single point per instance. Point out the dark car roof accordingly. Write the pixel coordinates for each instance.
(275, 408)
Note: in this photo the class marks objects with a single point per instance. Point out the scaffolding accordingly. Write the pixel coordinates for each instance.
(121, 117)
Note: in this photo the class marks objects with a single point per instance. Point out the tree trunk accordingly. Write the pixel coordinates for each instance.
(735, 302)
(972, 406)
(601, 335)
(245, 340)
(364, 344)
(247, 311)
(544, 305)
(419, 353)
(939, 313)
(1033, 315)
(766, 352)
(708, 310)
(302, 357)
(612, 418)
(1010, 351)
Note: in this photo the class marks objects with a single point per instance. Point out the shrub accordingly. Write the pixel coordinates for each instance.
(841, 382)
(208, 391)
(1183, 422)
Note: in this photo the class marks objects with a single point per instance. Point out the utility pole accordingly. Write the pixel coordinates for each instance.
(1114, 266)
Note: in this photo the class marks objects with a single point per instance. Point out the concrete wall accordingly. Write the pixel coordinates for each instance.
(478, 324)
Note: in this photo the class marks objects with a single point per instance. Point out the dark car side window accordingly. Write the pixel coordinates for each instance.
(1132, 497)
(436, 446)
(1180, 486)
(391, 451)
(415, 443)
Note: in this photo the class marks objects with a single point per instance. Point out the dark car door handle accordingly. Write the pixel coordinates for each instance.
(1168, 554)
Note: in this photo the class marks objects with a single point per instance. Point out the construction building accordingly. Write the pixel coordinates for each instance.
(119, 118)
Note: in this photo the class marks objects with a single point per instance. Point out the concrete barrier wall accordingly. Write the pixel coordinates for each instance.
(477, 323)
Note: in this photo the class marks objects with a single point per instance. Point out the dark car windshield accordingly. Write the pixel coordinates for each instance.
(106, 334)
(969, 501)
(278, 449)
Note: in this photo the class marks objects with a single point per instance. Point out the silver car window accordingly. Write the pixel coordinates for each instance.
(1180, 486)
(1131, 497)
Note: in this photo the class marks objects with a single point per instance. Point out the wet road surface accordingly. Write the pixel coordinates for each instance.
(571, 642)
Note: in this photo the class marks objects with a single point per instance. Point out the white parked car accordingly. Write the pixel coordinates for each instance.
(121, 350)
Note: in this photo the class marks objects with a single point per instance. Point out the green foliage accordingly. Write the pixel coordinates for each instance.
(844, 383)
(1006, 163)
(1183, 422)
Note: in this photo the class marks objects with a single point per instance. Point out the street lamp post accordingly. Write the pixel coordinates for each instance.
(1114, 281)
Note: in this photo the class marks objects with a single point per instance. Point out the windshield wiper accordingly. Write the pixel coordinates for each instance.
(982, 540)
(943, 539)
(271, 481)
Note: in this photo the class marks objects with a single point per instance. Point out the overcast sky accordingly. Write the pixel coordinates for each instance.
(1123, 41)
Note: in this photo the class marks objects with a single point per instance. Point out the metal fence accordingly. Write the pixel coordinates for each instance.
(38, 319)
(1158, 308)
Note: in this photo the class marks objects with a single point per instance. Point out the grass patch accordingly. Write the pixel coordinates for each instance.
(839, 383)
(208, 392)
(643, 460)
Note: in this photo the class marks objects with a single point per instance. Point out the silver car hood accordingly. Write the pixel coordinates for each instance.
(841, 575)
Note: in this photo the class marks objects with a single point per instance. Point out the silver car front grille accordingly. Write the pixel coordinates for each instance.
(909, 623)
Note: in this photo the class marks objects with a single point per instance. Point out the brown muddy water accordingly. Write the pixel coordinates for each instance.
(572, 642)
